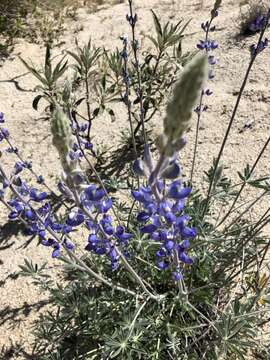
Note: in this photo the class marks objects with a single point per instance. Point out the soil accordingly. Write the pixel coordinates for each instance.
(20, 301)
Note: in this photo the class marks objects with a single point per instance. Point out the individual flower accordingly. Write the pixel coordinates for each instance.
(75, 218)
(95, 199)
(4, 133)
(37, 196)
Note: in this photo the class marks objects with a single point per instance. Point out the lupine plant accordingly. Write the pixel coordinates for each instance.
(176, 272)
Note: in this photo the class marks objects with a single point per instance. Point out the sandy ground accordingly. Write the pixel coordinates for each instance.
(20, 302)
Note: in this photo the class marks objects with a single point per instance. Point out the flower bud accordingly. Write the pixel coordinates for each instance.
(185, 94)
(61, 132)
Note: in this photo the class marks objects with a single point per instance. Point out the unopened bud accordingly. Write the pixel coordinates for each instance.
(184, 97)
(61, 132)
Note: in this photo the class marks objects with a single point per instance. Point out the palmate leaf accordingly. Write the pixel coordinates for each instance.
(85, 57)
(168, 35)
(34, 72)
(262, 183)
(75, 57)
(59, 70)
(31, 269)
